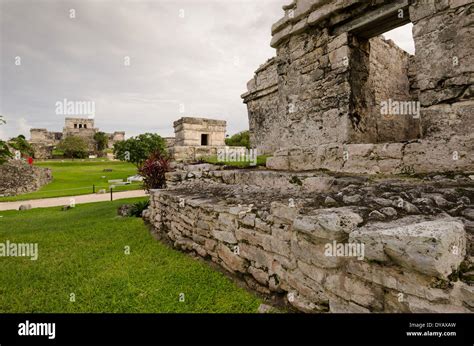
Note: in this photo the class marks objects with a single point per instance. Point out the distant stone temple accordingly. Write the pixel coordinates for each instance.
(196, 138)
(44, 141)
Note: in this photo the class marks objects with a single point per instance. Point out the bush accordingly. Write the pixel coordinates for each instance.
(138, 149)
(240, 139)
(5, 153)
(153, 171)
(73, 147)
(21, 144)
(138, 208)
(101, 142)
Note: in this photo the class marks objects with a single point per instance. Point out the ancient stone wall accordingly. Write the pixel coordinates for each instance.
(17, 177)
(417, 157)
(265, 115)
(325, 93)
(115, 137)
(279, 240)
(445, 66)
(44, 136)
(76, 123)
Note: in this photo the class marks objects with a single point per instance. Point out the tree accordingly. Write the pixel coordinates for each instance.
(101, 141)
(21, 144)
(153, 171)
(240, 139)
(138, 149)
(73, 147)
(5, 153)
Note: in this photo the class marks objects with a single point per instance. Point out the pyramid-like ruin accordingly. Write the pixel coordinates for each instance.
(44, 141)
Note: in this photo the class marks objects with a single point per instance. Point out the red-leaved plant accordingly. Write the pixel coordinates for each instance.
(153, 171)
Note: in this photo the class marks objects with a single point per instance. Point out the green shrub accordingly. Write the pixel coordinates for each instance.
(240, 139)
(73, 147)
(139, 207)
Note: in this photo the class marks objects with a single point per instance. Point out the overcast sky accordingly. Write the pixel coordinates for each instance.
(195, 54)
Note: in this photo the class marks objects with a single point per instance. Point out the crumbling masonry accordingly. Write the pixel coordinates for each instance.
(332, 186)
(317, 103)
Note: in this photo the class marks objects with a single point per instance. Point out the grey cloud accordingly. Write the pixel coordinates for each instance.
(174, 60)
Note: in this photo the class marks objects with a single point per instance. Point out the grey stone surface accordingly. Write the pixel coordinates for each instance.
(17, 177)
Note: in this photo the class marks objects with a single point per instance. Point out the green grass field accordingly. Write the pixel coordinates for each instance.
(77, 177)
(81, 251)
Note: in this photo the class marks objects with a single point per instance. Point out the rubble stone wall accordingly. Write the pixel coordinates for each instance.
(408, 264)
(17, 177)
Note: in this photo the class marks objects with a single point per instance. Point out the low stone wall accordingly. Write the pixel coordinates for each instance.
(18, 177)
(193, 153)
(304, 246)
(420, 156)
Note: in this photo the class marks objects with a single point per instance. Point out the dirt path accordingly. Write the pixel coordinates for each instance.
(60, 201)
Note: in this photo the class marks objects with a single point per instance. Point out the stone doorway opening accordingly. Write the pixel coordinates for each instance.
(384, 98)
(204, 139)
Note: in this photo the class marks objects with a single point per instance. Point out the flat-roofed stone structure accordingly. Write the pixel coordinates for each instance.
(196, 138)
(199, 132)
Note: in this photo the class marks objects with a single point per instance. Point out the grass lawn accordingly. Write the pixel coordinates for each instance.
(261, 161)
(81, 251)
(77, 177)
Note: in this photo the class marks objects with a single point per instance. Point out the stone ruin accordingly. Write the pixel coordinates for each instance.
(358, 210)
(44, 141)
(196, 138)
(317, 104)
(18, 177)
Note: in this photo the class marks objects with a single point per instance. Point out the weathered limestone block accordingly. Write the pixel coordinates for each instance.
(338, 305)
(398, 280)
(260, 276)
(261, 258)
(287, 212)
(355, 290)
(327, 224)
(434, 248)
(224, 236)
(313, 253)
(303, 304)
(305, 286)
(418, 305)
(232, 261)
